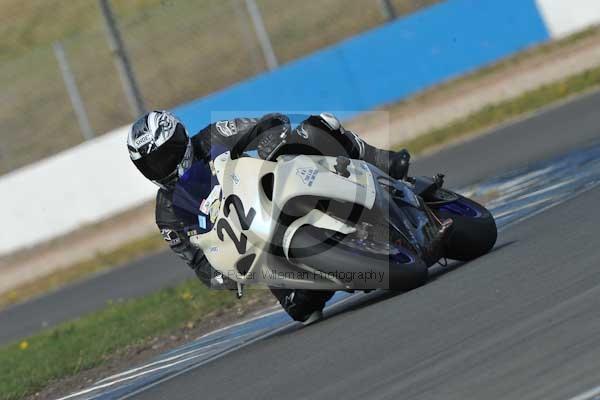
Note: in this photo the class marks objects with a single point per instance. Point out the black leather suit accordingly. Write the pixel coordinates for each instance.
(315, 135)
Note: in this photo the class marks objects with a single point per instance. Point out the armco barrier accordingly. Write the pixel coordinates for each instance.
(95, 180)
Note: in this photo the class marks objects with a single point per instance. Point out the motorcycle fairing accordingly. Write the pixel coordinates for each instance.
(238, 244)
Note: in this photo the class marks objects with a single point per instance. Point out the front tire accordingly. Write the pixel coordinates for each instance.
(474, 231)
(329, 252)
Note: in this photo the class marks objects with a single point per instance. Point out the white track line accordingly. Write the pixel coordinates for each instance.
(108, 384)
(589, 395)
(200, 350)
(275, 309)
(126, 375)
(219, 355)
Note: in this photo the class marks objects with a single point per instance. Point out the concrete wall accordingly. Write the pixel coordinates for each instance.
(95, 180)
(563, 17)
(84, 184)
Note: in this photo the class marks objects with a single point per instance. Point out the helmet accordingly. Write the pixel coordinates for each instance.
(160, 147)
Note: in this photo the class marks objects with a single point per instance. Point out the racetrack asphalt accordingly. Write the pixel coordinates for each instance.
(522, 322)
(549, 133)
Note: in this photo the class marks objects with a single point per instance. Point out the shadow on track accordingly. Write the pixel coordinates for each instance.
(361, 301)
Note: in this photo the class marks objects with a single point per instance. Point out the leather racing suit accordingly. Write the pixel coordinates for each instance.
(321, 134)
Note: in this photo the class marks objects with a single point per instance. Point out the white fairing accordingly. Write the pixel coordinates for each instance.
(230, 241)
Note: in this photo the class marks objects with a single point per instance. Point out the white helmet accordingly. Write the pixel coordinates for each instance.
(160, 147)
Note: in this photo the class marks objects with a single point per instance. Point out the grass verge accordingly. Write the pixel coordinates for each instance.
(501, 112)
(30, 365)
(98, 263)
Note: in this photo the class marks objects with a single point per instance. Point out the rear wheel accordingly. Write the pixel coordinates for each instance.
(474, 231)
(362, 264)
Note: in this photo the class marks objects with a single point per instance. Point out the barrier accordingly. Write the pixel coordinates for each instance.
(563, 17)
(84, 184)
(96, 179)
(385, 64)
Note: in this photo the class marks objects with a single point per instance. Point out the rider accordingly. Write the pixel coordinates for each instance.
(160, 147)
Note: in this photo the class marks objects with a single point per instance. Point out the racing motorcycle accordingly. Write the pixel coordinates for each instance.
(333, 223)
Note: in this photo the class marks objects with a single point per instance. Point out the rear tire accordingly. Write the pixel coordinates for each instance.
(471, 236)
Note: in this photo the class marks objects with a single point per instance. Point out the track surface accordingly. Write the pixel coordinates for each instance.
(520, 323)
(550, 133)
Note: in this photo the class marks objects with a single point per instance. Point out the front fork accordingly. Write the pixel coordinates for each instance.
(239, 291)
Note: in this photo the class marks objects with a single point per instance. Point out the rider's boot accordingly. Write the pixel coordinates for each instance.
(438, 179)
(305, 306)
(394, 163)
(399, 164)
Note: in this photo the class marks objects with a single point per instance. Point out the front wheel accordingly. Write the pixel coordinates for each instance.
(474, 231)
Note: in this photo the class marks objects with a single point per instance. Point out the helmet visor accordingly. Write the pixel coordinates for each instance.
(162, 161)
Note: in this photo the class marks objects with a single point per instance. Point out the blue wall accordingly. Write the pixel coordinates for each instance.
(383, 65)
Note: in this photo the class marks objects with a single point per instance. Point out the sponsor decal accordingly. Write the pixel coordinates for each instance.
(213, 249)
(235, 179)
(214, 210)
(144, 139)
(202, 221)
(211, 205)
(302, 132)
(166, 125)
(307, 175)
(192, 232)
(204, 207)
(226, 128)
(214, 194)
(170, 237)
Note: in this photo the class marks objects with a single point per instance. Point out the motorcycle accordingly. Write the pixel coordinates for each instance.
(333, 223)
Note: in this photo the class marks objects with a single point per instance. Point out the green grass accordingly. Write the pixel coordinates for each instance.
(30, 365)
(505, 111)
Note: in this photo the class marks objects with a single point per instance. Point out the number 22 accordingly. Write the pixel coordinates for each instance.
(245, 222)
